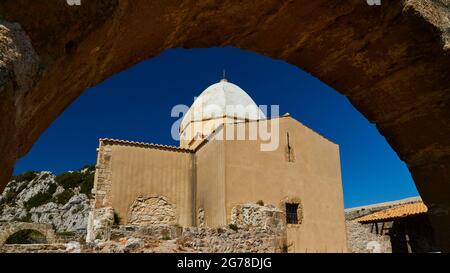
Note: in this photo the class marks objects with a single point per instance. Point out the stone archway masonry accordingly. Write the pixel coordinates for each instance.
(8, 229)
(391, 61)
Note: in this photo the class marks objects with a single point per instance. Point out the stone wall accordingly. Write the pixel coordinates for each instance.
(253, 215)
(151, 210)
(169, 239)
(156, 232)
(255, 228)
(247, 240)
(8, 229)
(100, 223)
(361, 240)
(102, 181)
(41, 248)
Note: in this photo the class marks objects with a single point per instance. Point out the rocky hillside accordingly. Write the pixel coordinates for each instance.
(42, 197)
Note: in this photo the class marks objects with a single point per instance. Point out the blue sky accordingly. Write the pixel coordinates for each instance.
(136, 104)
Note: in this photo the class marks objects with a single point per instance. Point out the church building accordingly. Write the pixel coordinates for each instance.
(230, 154)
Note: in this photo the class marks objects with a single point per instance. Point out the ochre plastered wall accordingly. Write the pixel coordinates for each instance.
(139, 170)
(210, 186)
(314, 178)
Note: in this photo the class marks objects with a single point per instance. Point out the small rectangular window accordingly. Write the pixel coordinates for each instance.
(289, 150)
(291, 213)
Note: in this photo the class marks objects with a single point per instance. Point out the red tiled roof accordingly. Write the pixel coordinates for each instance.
(394, 213)
(144, 144)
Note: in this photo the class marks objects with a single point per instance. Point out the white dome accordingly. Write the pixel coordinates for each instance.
(223, 99)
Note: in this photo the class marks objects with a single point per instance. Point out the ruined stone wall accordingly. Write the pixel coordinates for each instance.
(258, 216)
(102, 180)
(8, 229)
(100, 223)
(151, 210)
(361, 240)
(255, 228)
(247, 240)
(41, 248)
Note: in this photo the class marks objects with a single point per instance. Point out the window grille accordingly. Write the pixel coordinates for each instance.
(291, 213)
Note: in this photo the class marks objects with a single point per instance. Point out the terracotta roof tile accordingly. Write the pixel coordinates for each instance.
(144, 144)
(394, 213)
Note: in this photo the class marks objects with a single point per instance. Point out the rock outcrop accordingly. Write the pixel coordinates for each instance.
(44, 198)
(391, 61)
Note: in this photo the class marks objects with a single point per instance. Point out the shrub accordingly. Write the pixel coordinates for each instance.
(21, 188)
(166, 237)
(233, 227)
(64, 196)
(87, 184)
(90, 168)
(38, 200)
(260, 202)
(26, 176)
(76, 179)
(12, 184)
(9, 196)
(69, 180)
(26, 218)
(12, 192)
(52, 188)
(45, 176)
(41, 198)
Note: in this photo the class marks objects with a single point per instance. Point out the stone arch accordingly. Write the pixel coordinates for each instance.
(391, 61)
(10, 229)
(152, 210)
